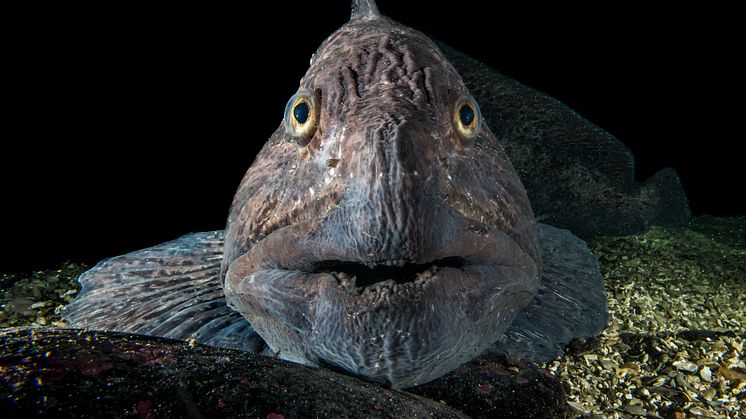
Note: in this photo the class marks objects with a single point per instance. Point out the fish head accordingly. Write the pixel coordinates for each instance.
(382, 229)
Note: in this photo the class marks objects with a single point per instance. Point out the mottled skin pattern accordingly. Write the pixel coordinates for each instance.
(385, 177)
(381, 230)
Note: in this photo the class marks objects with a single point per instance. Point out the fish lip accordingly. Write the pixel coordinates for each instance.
(299, 249)
(305, 245)
(311, 318)
(451, 318)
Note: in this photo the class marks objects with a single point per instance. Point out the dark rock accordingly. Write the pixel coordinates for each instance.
(73, 373)
(79, 373)
(489, 387)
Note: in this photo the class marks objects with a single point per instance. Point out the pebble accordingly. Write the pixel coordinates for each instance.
(647, 369)
(706, 374)
(686, 366)
(635, 409)
(710, 394)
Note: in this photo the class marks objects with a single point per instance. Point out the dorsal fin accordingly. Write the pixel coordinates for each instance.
(364, 9)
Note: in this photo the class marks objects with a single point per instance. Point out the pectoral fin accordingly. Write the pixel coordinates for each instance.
(570, 304)
(171, 290)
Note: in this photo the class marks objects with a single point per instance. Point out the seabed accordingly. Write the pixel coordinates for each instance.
(674, 346)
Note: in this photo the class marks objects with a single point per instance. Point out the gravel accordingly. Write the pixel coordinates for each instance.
(37, 298)
(675, 343)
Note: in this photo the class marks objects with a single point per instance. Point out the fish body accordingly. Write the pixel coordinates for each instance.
(382, 230)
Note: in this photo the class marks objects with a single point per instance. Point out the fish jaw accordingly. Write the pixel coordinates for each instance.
(400, 333)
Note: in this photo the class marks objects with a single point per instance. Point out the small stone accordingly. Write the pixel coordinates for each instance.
(681, 382)
(698, 411)
(607, 364)
(658, 381)
(635, 410)
(686, 366)
(732, 374)
(578, 407)
(630, 366)
(710, 394)
(706, 374)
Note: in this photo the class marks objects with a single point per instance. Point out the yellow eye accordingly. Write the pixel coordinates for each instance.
(302, 117)
(467, 119)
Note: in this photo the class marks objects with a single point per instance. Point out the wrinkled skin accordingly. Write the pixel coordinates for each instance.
(385, 179)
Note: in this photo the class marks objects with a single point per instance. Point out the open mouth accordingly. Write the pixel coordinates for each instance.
(358, 276)
(315, 298)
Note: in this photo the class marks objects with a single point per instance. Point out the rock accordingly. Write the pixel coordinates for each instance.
(635, 410)
(71, 373)
(80, 373)
(685, 365)
(706, 374)
(487, 387)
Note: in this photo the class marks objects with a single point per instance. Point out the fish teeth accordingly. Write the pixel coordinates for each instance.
(389, 262)
(386, 289)
(384, 285)
(425, 275)
(344, 279)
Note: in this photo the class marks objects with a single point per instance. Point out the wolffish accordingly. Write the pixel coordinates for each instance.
(381, 230)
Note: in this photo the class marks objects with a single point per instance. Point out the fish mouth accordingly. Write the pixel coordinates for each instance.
(395, 274)
(397, 320)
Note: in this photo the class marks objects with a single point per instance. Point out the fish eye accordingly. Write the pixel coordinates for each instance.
(467, 119)
(300, 112)
(301, 117)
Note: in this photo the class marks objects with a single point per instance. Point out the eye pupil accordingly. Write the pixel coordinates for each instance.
(300, 112)
(466, 113)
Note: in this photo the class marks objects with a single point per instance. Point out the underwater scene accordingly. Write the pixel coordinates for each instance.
(422, 235)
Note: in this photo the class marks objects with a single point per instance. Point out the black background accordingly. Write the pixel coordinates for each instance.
(128, 125)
